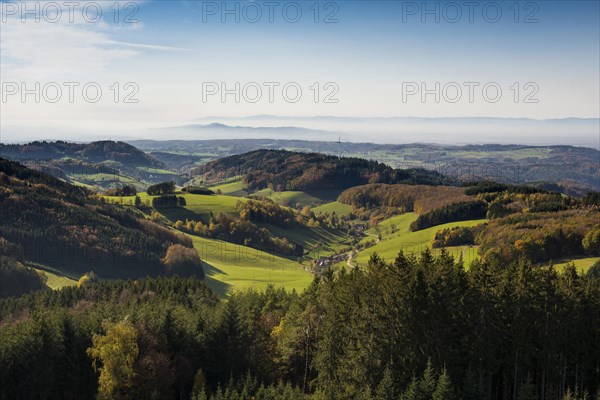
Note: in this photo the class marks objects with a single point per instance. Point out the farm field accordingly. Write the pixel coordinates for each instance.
(157, 171)
(291, 198)
(317, 242)
(401, 238)
(198, 206)
(581, 264)
(203, 205)
(230, 267)
(232, 187)
(340, 209)
(55, 281)
(105, 178)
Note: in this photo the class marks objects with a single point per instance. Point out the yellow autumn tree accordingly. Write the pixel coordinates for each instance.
(116, 350)
(90, 277)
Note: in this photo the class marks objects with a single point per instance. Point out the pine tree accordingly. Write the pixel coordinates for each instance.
(385, 389)
(412, 392)
(443, 390)
(527, 391)
(201, 395)
(428, 382)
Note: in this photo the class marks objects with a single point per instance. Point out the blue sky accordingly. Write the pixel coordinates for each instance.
(368, 57)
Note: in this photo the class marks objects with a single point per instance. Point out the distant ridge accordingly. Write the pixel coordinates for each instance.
(94, 152)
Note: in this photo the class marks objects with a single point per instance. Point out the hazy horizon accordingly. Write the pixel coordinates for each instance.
(383, 130)
(139, 66)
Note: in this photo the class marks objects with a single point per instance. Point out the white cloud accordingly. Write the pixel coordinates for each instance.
(71, 48)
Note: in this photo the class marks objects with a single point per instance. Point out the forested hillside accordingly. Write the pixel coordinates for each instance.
(98, 165)
(50, 222)
(407, 198)
(94, 152)
(285, 170)
(568, 169)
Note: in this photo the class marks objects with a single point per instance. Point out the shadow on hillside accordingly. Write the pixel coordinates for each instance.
(179, 213)
(220, 288)
(326, 195)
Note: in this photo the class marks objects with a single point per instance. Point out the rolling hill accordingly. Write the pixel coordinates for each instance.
(569, 169)
(64, 228)
(104, 164)
(288, 171)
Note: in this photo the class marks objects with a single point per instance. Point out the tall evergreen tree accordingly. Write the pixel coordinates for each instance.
(443, 389)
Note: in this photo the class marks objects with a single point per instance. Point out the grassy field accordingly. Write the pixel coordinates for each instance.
(231, 187)
(335, 206)
(292, 197)
(157, 171)
(396, 235)
(231, 267)
(103, 177)
(54, 281)
(203, 205)
(318, 242)
(289, 198)
(581, 264)
(197, 207)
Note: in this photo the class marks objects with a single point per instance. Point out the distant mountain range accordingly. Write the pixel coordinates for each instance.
(217, 130)
(399, 130)
(382, 130)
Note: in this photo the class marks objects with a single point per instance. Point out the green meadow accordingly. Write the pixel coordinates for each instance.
(198, 206)
(230, 267)
(340, 209)
(317, 242)
(55, 281)
(231, 187)
(294, 197)
(396, 235)
(582, 265)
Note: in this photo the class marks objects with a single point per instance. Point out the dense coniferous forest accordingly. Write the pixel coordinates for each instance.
(412, 329)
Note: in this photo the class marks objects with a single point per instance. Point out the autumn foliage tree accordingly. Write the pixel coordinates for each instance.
(183, 261)
(116, 350)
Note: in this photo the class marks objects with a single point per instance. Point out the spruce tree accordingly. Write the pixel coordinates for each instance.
(443, 390)
(527, 391)
(385, 389)
(428, 382)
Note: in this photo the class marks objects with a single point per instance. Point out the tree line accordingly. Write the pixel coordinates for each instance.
(241, 231)
(415, 328)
